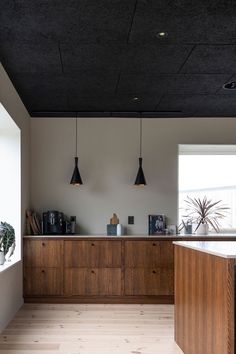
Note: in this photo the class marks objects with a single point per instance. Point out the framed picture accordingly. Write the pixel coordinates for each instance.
(156, 224)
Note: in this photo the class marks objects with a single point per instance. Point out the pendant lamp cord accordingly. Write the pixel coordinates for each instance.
(76, 133)
(141, 134)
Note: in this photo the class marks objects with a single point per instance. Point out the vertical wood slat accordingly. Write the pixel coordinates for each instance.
(204, 302)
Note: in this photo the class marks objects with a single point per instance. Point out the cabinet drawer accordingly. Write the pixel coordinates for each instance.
(95, 254)
(43, 281)
(43, 253)
(149, 254)
(144, 281)
(92, 281)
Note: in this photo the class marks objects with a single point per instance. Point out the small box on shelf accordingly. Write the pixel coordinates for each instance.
(111, 229)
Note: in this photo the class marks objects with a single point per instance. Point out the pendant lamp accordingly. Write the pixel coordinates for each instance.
(140, 179)
(76, 179)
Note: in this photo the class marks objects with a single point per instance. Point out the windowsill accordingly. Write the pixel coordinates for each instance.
(9, 264)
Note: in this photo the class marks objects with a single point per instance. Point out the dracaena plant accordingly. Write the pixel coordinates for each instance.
(205, 211)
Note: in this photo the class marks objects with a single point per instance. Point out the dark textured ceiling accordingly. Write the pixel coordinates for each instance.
(104, 57)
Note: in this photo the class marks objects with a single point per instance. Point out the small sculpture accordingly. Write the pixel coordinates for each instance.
(114, 228)
(114, 220)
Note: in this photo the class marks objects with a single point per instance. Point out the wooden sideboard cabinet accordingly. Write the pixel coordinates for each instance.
(98, 269)
(43, 267)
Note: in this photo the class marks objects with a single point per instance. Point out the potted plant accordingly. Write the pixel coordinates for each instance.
(7, 241)
(204, 212)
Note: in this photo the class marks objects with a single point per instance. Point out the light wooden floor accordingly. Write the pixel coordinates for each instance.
(90, 329)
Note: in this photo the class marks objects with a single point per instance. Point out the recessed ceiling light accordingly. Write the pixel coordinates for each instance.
(162, 34)
(230, 85)
(135, 99)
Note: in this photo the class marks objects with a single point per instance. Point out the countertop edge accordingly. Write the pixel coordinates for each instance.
(220, 237)
(203, 247)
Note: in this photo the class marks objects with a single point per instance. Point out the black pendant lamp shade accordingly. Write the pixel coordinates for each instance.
(76, 179)
(140, 179)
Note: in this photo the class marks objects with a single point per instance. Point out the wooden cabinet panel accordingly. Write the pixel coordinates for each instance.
(204, 302)
(93, 254)
(43, 253)
(92, 281)
(149, 281)
(43, 281)
(148, 254)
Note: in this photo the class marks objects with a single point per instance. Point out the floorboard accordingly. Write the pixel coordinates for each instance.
(91, 329)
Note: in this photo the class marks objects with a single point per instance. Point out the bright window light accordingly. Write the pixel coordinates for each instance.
(209, 170)
(10, 179)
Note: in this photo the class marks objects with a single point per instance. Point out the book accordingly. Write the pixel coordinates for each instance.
(33, 225)
(156, 224)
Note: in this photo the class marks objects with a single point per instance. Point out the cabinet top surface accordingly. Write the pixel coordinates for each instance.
(220, 237)
(216, 248)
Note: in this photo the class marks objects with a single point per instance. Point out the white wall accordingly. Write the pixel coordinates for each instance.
(11, 279)
(108, 159)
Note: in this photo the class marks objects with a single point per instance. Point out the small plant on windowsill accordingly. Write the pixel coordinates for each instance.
(205, 213)
(7, 241)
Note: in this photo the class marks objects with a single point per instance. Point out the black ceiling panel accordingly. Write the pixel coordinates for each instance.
(196, 83)
(91, 114)
(113, 103)
(164, 114)
(50, 101)
(59, 114)
(159, 59)
(200, 105)
(173, 84)
(185, 21)
(135, 84)
(105, 58)
(87, 21)
(101, 58)
(42, 92)
(91, 84)
(214, 59)
(23, 57)
(218, 106)
(188, 104)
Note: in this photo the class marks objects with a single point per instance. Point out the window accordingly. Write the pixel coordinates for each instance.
(209, 170)
(10, 179)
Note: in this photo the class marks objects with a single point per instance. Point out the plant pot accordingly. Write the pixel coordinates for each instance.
(188, 230)
(202, 229)
(2, 258)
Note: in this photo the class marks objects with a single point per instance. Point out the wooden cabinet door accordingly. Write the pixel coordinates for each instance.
(149, 281)
(148, 254)
(43, 253)
(94, 254)
(43, 281)
(92, 281)
(149, 268)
